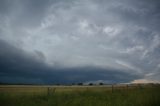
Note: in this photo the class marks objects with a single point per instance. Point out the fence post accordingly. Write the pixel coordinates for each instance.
(48, 91)
(127, 86)
(87, 89)
(54, 90)
(112, 88)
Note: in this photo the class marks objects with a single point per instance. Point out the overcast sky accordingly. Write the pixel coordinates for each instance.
(66, 41)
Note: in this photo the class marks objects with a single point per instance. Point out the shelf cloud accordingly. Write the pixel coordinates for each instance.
(59, 41)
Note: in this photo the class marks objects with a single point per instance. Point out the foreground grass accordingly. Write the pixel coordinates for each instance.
(149, 96)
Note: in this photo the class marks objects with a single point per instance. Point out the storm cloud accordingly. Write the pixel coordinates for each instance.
(59, 41)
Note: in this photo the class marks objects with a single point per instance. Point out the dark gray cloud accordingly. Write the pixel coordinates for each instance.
(19, 67)
(53, 40)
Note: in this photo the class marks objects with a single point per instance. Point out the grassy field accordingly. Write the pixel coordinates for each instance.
(79, 96)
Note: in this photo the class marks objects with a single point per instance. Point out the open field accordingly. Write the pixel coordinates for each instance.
(119, 95)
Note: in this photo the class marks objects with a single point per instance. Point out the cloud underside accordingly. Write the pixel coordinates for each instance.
(57, 41)
(17, 67)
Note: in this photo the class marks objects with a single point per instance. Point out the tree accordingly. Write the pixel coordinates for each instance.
(101, 83)
(80, 83)
(90, 84)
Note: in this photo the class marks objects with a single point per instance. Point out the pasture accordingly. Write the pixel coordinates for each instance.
(117, 95)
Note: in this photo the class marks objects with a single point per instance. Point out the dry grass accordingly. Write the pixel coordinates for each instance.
(79, 96)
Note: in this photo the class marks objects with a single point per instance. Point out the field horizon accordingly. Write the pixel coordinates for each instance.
(77, 95)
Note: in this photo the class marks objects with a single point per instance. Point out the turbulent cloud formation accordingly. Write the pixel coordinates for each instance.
(59, 41)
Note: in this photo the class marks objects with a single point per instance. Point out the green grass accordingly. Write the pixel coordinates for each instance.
(148, 96)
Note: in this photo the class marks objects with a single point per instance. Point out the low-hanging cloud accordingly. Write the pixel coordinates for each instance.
(118, 37)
